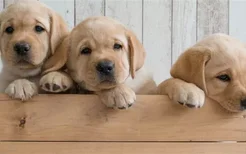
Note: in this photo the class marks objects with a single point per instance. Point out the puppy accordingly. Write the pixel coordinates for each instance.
(30, 33)
(107, 59)
(215, 66)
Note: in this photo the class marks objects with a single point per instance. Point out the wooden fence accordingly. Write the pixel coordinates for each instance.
(74, 124)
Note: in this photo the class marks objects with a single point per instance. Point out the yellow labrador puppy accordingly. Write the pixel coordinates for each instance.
(107, 58)
(30, 33)
(215, 66)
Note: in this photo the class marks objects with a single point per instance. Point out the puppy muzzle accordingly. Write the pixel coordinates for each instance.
(105, 70)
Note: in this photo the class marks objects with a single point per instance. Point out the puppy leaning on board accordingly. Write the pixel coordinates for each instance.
(216, 67)
(106, 58)
(30, 33)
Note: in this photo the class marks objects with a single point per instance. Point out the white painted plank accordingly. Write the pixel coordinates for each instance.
(8, 2)
(86, 8)
(213, 16)
(157, 37)
(128, 12)
(237, 23)
(184, 26)
(64, 7)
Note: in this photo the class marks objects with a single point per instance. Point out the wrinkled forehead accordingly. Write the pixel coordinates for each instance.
(20, 14)
(100, 31)
(227, 54)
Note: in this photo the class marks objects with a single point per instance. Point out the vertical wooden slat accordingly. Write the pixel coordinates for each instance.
(86, 8)
(157, 37)
(127, 12)
(64, 7)
(237, 23)
(212, 17)
(1, 5)
(184, 26)
(8, 2)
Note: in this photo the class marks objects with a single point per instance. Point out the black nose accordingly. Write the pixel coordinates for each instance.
(105, 67)
(22, 48)
(243, 104)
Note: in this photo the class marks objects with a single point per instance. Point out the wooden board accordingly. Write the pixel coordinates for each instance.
(84, 118)
(212, 17)
(157, 28)
(184, 26)
(127, 12)
(121, 148)
(86, 8)
(64, 7)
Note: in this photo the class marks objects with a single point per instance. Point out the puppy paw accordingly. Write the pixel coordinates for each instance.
(55, 82)
(21, 89)
(120, 97)
(188, 95)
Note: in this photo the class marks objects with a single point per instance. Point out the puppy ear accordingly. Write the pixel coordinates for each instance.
(58, 43)
(190, 66)
(59, 58)
(136, 53)
(58, 30)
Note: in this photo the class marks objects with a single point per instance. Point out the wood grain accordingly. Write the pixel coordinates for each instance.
(86, 8)
(183, 27)
(121, 148)
(157, 28)
(213, 17)
(84, 118)
(127, 12)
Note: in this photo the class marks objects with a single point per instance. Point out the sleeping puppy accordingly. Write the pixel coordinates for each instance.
(107, 59)
(30, 33)
(215, 66)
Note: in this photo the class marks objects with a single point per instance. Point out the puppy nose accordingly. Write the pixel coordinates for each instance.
(105, 67)
(243, 104)
(22, 48)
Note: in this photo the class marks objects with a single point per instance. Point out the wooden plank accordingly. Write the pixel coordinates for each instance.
(121, 148)
(1, 5)
(213, 17)
(84, 118)
(184, 26)
(157, 37)
(64, 7)
(127, 12)
(237, 20)
(86, 8)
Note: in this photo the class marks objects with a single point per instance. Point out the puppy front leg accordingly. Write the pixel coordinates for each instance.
(181, 92)
(22, 89)
(121, 97)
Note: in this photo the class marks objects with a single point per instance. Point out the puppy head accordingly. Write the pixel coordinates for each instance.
(217, 65)
(30, 33)
(103, 53)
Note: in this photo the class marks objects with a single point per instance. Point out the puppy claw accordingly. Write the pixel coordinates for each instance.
(56, 87)
(56, 82)
(190, 105)
(21, 89)
(122, 107)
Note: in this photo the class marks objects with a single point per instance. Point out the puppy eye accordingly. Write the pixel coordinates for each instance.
(224, 78)
(9, 30)
(117, 46)
(39, 29)
(85, 51)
